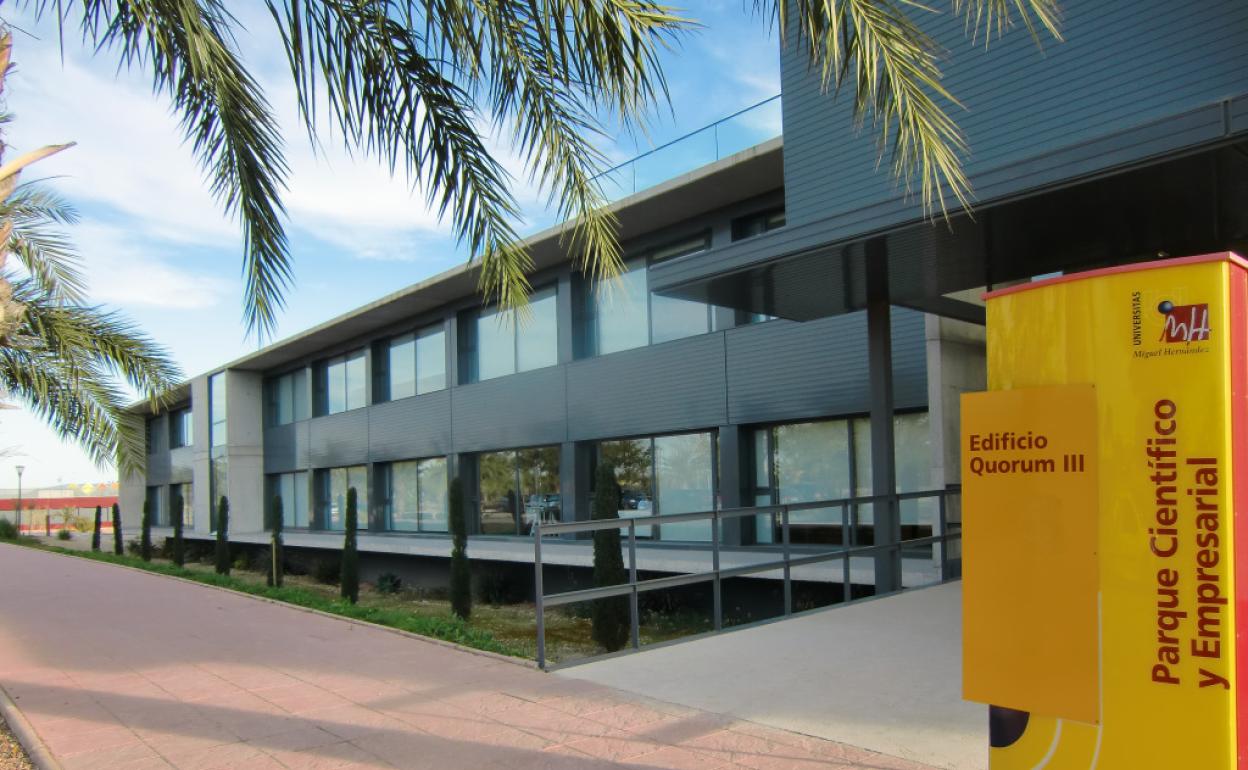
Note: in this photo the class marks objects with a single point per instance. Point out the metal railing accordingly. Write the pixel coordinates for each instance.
(791, 555)
(734, 133)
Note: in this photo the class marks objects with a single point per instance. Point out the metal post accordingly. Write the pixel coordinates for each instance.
(717, 587)
(633, 611)
(847, 592)
(539, 594)
(20, 469)
(944, 536)
(788, 571)
(886, 527)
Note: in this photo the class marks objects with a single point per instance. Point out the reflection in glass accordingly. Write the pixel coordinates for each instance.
(537, 339)
(416, 495)
(404, 501)
(812, 464)
(216, 409)
(356, 375)
(498, 492)
(539, 486)
(684, 483)
(431, 360)
(401, 365)
(621, 310)
(495, 344)
(432, 484)
(293, 487)
(334, 485)
(673, 319)
(633, 460)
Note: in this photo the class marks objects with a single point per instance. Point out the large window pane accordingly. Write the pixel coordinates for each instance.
(537, 338)
(357, 376)
(620, 310)
(539, 485)
(219, 486)
(402, 366)
(498, 493)
(431, 360)
(812, 464)
(404, 502)
(154, 508)
(184, 495)
(672, 319)
(764, 526)
(334, 486)
(216, 409)
(684, 482)
(496, 353)
(180, 423)
(633, 461)
(433, 494)
(336, 387)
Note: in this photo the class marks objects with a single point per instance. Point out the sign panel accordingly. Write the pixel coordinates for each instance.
(1164, 346)
(1029, 562)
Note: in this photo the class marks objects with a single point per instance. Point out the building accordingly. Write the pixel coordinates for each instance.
(791, 327)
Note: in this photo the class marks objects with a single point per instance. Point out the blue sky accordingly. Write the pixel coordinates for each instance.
(157, 247)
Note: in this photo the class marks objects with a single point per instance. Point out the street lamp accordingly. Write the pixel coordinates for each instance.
(20, 468)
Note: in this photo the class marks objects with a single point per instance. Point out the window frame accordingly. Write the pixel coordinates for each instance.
(321, 385)
(181, 427)
(545, 291)
(517, 487)
(385, 500)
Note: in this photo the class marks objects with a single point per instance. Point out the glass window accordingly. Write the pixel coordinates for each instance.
(333, 486)
(507, 343)
(180, 428)
(416, 495)
(620, 310)
(431, 360)
(342, 383)
(293, 489)
(665, 474)
(216, 410)
(496, 338)
(219, 485)
(673, 319)
(518, 488)
(287, 398)
(756, 224)
(154, 508)
(184, 494)
(537, 333)
(402, 366)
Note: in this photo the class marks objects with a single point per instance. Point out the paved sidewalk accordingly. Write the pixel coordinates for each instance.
(119, 669)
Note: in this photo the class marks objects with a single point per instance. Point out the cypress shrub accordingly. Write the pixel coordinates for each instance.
(223, 536)
(179, 553)
(611, 615)
(145, 537)
(351, 556)
(95, 533)
(461, 574)
(276, 568)
(119, 546)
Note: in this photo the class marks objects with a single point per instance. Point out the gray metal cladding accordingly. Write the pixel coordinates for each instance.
(158, 467)
(281, 448)
(338, 439)
(410, 427)
(673, 386)
(523, 409)
(781, 370)
(1122, 66)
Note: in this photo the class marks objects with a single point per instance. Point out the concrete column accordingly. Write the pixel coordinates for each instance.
(575, 461)
(244, 401)
(733, 462)
(201, 470)
(887, 526)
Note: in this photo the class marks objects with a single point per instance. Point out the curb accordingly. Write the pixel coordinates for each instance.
(36, 750)
(522, 662)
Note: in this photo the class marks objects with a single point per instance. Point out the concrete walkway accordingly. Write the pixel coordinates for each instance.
(885, 675)
(114, 668)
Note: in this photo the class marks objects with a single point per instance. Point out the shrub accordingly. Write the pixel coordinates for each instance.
(95, 531)
(118, 549)
(327, 571)
(223, 536)
(134, 548)
(461, 572)
(145, 543)
(389, 583)
(177, 553)
(497, 586)
(8, 530)
(64, 534)
(350, 555)
(80, 523)
(610, 615)
(273, 572)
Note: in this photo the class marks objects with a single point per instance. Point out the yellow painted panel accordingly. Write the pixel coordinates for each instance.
(1030, 542)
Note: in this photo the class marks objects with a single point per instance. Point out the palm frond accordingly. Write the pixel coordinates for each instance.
(34, 213)
(186, 46)
(997, 16)
(67, 364)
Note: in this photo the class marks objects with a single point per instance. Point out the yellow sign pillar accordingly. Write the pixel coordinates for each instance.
(1100, 615)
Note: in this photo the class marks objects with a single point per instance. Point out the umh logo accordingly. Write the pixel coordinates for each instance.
(1184, 323)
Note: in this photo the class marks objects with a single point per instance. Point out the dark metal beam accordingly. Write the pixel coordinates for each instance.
(887, 525)
(948, 308)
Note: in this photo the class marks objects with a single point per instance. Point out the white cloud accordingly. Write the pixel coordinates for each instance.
(129, 271)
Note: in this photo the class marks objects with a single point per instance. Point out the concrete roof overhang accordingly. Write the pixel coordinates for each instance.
(751, 172)
(1172, 204)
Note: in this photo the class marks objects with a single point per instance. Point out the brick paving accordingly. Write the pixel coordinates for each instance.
(115, 668)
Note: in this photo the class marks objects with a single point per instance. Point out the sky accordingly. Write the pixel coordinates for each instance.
(157, 247)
